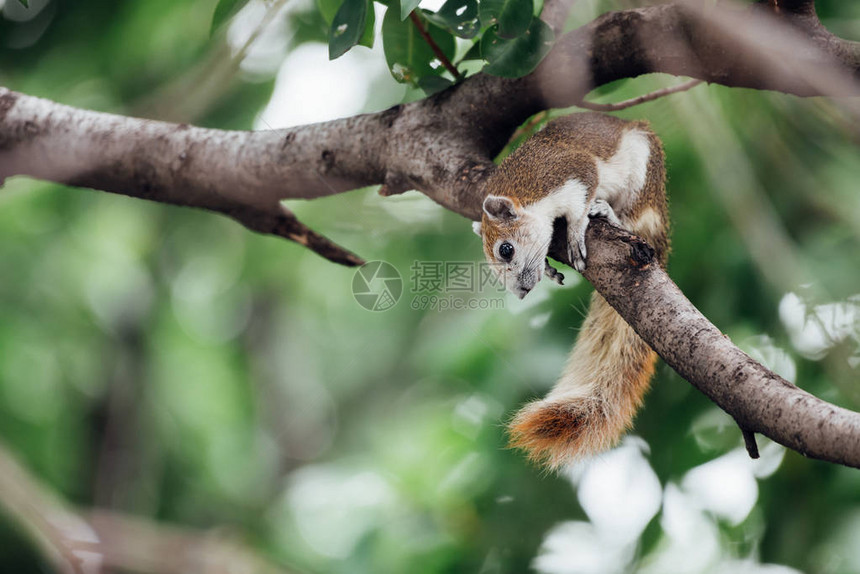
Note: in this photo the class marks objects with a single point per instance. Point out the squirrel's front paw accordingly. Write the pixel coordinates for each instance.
(576, 251)
(553, 273)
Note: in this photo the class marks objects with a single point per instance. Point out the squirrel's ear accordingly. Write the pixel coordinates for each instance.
(476, 227)
(501, 208)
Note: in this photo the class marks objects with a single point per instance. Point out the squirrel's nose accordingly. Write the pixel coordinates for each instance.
(523, 292)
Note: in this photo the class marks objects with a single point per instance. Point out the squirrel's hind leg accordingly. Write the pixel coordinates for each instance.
(601, 208)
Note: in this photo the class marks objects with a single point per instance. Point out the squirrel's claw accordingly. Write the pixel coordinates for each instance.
(576, 251)
(553, 273)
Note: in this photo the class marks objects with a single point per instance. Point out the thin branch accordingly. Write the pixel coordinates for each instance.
(52, 526)
(192, 94)
(594, 106)
(750, 443)
(139, 545)
(528, 127)
(281, 222)
(440, 55)
(77, 543)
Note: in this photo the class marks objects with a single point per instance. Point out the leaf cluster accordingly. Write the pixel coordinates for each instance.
(424, 48)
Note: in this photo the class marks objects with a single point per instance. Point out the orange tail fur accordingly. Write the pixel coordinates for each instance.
(594, 402)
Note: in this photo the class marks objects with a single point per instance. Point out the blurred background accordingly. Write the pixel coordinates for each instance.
(197, 382)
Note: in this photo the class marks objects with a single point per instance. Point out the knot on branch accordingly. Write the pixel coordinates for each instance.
(618, 247)
(394, 184)
(641, 254)
(7, 100)
(799, 7)
(327, 158)
(475, 171)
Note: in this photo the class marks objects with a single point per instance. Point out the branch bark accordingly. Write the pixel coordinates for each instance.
(444, 145)
(623, 269)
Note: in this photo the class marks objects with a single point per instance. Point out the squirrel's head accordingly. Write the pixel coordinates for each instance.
(515, 243)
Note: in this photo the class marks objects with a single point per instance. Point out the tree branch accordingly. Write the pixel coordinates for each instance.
(443, 146)
(77, 543)
(437, 51)
(649, 97)
(239, 174)
(622, 268)
(555, 13)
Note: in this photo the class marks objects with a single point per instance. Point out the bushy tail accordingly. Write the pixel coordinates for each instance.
(594, 402)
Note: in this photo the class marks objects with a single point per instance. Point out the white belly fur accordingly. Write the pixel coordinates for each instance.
(622, 176)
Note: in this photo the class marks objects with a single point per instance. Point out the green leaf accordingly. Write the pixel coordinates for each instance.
(406, 8)
(309, 25)
(518, 57)
(347, 27)
(225, 10)
(369, 27)
(328, 9)
(25, 3)
(433, 84)
(458, 16)
(513, 17)
(409, 56)
(474, 53)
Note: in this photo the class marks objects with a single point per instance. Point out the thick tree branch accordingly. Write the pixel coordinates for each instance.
(440, 145)
(443, 146)
(622, 268)
(555, 13)
(732, 46)
(235, 173)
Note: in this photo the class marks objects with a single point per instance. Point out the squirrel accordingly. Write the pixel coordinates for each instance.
(578, 167)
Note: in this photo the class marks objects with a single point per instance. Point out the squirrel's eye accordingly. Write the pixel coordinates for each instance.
(506, 251)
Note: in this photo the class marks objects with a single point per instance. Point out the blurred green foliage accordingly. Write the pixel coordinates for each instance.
(512, 42)
(167, 363)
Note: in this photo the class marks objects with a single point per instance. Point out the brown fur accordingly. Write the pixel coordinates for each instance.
(610, 367)
(652, 197)
(568, 146)
(617, 365)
